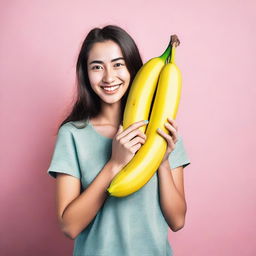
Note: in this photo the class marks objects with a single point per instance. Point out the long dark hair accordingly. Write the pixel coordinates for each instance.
(87, 103)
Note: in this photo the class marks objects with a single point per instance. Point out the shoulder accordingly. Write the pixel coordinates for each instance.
(78, 131)
(179, 145)
(79, 124)
(180, 140)
(73, 126)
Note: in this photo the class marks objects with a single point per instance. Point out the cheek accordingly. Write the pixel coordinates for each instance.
(94, 78)
(124, 74)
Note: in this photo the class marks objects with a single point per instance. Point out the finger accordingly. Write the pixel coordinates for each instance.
(170, 127)
(134, 142)
(173, 122)
(132, 127)
(131, 135)
(120, 129)
(173, 131)
(135, 148)
(167, 137)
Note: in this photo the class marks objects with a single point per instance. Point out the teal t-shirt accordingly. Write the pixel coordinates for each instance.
(129, 226)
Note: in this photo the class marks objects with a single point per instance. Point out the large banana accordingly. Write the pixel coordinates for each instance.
(148, 158)
(142, 90)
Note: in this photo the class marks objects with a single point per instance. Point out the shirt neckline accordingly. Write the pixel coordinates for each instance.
(102, 136)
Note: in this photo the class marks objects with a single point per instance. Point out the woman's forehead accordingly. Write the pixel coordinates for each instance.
(105, 51)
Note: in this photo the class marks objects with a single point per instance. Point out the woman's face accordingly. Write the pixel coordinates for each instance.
(107, 71)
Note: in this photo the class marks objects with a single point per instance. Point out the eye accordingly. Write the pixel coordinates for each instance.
(96, 67)
(119, 64)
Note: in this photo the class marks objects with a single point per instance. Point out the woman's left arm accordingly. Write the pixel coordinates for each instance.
(171, 183)
(172, 199)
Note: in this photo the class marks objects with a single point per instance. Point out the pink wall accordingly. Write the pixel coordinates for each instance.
(38, 50)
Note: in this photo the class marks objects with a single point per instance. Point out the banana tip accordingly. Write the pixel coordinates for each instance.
(109, 192)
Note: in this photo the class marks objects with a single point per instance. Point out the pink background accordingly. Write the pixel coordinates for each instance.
(38, 50)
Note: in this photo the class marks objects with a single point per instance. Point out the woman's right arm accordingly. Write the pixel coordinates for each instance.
(75, 210)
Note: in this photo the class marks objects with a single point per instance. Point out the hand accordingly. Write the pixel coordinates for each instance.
(171, 139)
(126, 143)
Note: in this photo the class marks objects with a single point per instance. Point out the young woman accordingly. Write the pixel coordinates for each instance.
(92, 147)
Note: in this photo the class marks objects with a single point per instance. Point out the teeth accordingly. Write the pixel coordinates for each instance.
(111, 88)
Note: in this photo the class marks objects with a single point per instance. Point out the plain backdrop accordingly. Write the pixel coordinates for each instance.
(39, 44)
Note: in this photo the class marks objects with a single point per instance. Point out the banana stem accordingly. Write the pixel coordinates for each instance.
(172, 55)
(169, 54)
(166, 53)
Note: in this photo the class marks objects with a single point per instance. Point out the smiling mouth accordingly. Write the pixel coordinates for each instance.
(111, 88)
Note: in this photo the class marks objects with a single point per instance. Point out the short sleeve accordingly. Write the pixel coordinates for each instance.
(178, 157)
(64, 158)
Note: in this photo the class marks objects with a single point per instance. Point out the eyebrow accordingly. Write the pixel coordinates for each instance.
(101, 62)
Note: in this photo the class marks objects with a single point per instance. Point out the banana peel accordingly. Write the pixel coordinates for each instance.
(147, 159)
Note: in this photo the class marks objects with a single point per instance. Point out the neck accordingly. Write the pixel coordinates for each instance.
(111, 114)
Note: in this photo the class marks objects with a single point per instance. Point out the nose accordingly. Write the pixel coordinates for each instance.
(109, 76)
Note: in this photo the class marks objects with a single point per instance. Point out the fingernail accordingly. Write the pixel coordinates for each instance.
(159, 129)
(146, 121)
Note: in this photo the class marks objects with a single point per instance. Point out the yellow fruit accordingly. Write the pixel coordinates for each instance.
(148, 158)
(142, 90)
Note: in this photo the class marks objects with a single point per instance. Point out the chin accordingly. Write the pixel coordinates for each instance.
(111, 101)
